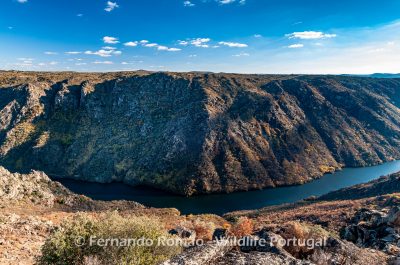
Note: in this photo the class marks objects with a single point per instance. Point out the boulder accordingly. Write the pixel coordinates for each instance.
(220, 233)
(183, 232)
(203, 254)
(393, 217)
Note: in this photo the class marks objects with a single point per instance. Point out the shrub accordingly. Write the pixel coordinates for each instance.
(62, 248)
(302, 232)
(204, 230)
(243, 227)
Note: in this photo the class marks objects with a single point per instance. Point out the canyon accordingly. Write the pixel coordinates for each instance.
(196, 133)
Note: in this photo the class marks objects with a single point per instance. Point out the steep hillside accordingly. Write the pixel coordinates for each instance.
(196, 133)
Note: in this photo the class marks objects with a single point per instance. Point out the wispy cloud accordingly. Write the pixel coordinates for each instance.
(110, 40)
(241, 54)
(22, 1)
(111, 6)
(51, 53)
(297, 23)
(233, 44)
(188, 3)
(310, 35)
(227, 2)
(73, 52)
(296, 46)
(103, 62)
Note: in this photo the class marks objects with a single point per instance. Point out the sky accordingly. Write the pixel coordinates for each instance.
(239, 36)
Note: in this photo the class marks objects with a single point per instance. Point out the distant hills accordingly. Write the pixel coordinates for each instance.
(378, 75)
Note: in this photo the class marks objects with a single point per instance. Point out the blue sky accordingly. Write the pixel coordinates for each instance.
(244, 36)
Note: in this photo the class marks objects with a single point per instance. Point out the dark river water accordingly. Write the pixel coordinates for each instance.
(222, 203)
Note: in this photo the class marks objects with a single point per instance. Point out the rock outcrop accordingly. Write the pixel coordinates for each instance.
(194, 133)
(35, 187)
(376, 229)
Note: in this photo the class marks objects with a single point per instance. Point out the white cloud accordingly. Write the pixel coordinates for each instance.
(233, 44)
(197, 42)
(80, 64)
(109, 48)
(225, 2)
(150, 45)
(159, 47)
(241, 54)
(111, 6)
(188, 3)
(183, 43)
(103, 62)
(73, 52)
(192, 55)
(296, 46)
(257, 35)
(310, 35)
(51, 53)
(110, 40)
(162, 48)
(22, 1)
(171, 49)
(53, 63)
(79, 15)
(104, 52)
(131, 43)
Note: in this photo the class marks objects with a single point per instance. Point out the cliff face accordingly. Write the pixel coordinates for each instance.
(195, 132)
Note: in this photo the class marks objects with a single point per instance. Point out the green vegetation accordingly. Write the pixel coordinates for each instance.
(62, 247)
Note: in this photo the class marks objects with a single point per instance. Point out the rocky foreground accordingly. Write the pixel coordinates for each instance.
(194, 133)
(361, 229)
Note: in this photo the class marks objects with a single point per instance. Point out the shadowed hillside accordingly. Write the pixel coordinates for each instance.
(196, 133)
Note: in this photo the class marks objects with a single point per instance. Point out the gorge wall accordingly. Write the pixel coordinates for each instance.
(193, 133)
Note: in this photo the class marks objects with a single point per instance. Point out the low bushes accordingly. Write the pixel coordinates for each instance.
(71, 243)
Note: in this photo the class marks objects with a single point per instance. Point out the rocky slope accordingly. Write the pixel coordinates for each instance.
(363, 231)
(196, 133)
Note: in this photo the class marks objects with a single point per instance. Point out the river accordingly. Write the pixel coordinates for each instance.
(222, 203)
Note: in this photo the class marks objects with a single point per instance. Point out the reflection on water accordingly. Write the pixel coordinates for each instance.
(222, 203)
